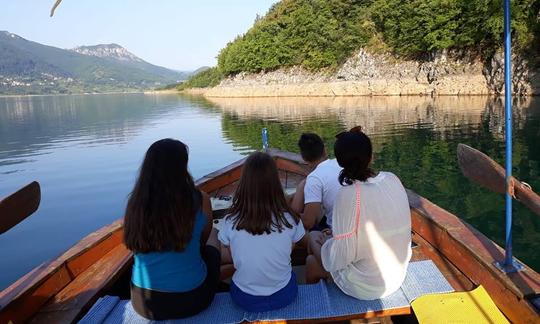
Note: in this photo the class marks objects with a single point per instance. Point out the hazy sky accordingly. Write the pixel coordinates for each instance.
(178, 34)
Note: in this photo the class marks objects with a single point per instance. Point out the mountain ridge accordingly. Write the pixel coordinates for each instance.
(111, 50)
(28, 67)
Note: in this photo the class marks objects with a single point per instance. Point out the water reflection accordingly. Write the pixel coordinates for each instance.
(31, 124)
(415, 138)
(85, 151)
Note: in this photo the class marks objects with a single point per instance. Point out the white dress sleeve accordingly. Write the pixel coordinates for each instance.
(341, 250)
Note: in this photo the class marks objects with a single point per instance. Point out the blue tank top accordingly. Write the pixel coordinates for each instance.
(173, 271)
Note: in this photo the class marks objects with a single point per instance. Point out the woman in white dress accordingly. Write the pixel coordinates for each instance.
(369, 248)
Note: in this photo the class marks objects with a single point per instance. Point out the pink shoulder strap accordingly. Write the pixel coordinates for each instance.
(357, 215)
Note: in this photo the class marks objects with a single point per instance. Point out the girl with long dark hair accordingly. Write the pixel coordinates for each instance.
(260, 231)
(369, 248)
(168, 226)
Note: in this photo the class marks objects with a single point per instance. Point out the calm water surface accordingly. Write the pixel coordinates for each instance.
(85, 152)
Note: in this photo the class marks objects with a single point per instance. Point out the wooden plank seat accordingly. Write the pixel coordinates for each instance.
(323, 301)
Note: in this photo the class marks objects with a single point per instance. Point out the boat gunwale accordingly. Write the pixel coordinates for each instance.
(474, 254)
(57, 273)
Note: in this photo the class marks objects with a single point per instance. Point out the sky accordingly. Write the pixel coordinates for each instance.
(178, 34)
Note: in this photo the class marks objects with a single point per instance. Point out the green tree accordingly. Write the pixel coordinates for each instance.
(319, 34)
(206, 78)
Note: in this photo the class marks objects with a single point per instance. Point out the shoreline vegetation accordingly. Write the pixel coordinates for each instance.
(391, 47)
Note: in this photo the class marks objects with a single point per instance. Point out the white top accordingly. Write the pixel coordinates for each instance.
(371, 244)
(322, 186)
(262, 262)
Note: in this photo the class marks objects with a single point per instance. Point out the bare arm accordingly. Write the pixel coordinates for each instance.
(303, 242)
(207, 211)
(297, 202)
(312, 213)
(226, 255)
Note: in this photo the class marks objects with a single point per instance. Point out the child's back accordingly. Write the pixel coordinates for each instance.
(168, 227)
(262, 262)
(260, 232)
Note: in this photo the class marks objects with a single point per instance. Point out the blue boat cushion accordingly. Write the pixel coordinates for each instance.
(322, 300)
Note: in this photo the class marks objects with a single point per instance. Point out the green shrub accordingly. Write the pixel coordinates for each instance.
(206, 78)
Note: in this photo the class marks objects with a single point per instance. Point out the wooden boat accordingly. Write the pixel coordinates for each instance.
(64, 289)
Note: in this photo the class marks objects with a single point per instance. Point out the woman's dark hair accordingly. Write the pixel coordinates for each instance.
(259, 204)
(160, 212)
(311, 147)
(353, 152)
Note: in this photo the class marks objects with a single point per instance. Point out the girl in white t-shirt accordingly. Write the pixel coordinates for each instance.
(260, 231)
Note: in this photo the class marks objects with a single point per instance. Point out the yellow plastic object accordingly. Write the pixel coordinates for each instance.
(458, 307)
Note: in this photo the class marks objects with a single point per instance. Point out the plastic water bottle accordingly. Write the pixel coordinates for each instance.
(264, 138)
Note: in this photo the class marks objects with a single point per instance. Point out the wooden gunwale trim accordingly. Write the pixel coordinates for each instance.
(425, 251)
(290, 166)
(79, 264)
(472, 253)
(526, 283)
(289, 162)
(78, 296)
(26, 295)
(220, 178)
(294, 157)
(21, 309)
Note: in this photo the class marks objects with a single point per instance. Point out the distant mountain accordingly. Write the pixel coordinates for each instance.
(28, 67)
(113, 51)
(118, 54)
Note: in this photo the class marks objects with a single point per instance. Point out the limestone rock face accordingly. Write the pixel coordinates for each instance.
(108, 50)
(372, 74)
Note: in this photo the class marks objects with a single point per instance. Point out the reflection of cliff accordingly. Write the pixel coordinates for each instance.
(29, 124)
(416, 138)
(378, 115)
(245, 133)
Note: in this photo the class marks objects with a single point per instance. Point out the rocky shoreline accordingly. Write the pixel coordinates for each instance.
(368, 74)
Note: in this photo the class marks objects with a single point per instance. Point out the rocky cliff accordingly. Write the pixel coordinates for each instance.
(370, 74)
(114, 51)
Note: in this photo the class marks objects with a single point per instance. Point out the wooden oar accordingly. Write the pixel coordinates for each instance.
(481, 169)
(19, 205)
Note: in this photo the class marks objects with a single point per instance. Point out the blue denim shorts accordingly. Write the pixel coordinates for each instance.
(279, 299)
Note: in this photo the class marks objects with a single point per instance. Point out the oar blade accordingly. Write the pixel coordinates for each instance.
(481, 169)
(19, 205)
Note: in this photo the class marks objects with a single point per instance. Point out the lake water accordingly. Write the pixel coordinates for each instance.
(85, 151)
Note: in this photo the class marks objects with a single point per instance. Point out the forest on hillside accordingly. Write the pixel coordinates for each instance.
(322, 34)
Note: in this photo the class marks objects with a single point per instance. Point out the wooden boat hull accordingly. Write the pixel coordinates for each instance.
(64, 289)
